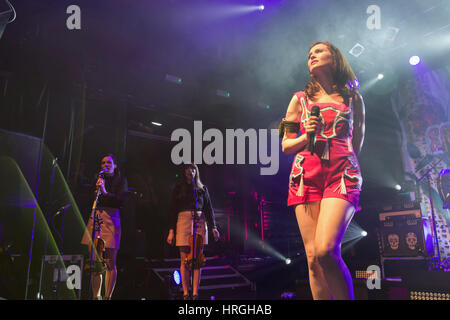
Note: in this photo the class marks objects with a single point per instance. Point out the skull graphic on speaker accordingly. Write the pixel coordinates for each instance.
(393, 241)
(411, 240)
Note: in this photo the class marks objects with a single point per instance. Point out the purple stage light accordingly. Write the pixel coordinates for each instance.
(350, 84)
(414, 60)
(176, 277)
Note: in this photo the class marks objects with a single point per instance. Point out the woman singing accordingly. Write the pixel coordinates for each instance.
(324, 186)
(181, 219)
(113, 188)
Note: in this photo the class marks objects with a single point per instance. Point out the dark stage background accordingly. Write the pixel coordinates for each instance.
(67, 97)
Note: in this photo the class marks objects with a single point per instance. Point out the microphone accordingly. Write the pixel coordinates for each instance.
(315, 111)
(67, 206)
(102, 172)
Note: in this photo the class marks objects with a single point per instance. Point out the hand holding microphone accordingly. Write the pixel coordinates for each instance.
(101, 181)
(311, 127)
(102, 172)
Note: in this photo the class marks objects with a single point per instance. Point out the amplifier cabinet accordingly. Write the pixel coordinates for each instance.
(405, 234)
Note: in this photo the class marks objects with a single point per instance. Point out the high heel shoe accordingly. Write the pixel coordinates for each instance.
(186, 297)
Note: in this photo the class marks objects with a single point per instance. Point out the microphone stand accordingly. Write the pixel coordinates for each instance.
(95, 229)
(50, 204)
(194, 233)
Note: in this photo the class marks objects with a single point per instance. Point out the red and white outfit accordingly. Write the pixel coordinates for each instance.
(333, 170)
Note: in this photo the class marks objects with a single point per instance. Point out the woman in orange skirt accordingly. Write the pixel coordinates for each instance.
(181, 222)
(113, 188)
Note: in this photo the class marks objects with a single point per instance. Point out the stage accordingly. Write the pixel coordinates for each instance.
(227, 89)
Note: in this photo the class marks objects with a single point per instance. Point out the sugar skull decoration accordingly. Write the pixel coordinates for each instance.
(393, 241)
(411, 240)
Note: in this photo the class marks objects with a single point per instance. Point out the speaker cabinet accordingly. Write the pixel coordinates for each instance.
(404, 234)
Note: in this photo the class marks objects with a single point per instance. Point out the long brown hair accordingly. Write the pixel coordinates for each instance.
(342, 76)
(184, 184)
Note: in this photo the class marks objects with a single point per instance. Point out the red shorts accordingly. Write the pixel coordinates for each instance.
(313, 178)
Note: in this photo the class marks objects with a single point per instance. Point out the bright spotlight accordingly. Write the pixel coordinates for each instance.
(176, 277)
(364, 233)
(380, 76)
(398, 187)
(414, 60)
(288, 261)
(261, 7)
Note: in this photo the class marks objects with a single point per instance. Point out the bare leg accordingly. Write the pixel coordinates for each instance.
(196, 281)
(111, 272)
(307, 217)
(96, 281)
(185, 274)
(334, 218)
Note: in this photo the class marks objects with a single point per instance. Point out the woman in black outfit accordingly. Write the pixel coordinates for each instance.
(113, 188)
(180, 219)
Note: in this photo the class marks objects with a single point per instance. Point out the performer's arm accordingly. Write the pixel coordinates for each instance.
(358, 123)
(209, 213)
(118, 194)
(291, 143)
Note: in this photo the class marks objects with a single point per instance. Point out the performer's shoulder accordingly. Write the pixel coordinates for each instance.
(299, 94)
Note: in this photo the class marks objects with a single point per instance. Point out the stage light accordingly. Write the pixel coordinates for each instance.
(288, 261)
(426, 295)
(263, 105)
(414, 60)
(176, 277)
(261, 7)
(380, 76)
(156, 124)
(350, 84)
(287, 296)
(223, 93)
(398, 187)
(363, 274)
(364, 233)
(173, 79)
(353, 84)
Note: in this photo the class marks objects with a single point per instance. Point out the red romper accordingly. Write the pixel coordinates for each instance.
(333, 170)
